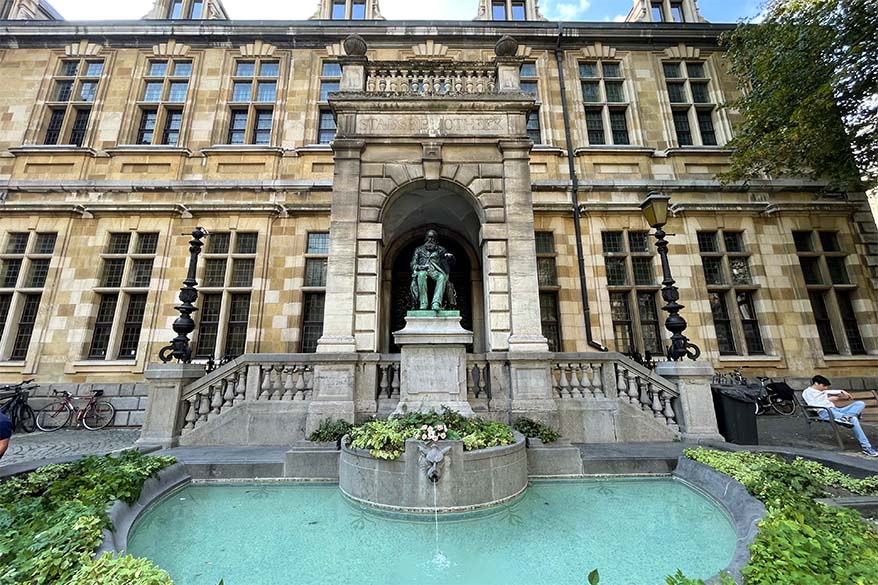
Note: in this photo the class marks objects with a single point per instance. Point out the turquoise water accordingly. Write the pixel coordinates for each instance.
(635, 531)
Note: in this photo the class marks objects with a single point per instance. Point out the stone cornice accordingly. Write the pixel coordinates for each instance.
(194, 185)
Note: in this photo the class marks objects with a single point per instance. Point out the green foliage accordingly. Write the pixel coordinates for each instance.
(51, 519)
(804, 74)
(801, 541)
(122, 570)
(594, 578)
(535, 429)
(330, 431)
(385, 439)
(680, 579)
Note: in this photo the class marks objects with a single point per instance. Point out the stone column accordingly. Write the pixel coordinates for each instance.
(164, 412)
(695, 415)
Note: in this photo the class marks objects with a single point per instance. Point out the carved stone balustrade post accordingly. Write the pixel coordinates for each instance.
(165, 410)
(695, 415)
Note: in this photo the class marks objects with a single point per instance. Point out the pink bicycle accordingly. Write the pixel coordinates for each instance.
(96, 414)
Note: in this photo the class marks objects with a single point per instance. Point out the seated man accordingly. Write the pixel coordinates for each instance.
(819, 394)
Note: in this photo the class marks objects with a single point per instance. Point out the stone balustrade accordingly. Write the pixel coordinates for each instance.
(429, 78)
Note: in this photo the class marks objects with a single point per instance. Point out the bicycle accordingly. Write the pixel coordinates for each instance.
(777, 396)
(95, 415)
(17, 408)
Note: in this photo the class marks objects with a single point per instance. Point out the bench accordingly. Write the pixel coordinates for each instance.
(812, 415)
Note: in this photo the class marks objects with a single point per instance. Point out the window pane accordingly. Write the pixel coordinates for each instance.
(529, 70)
(518, 14)
(266, 91)
(87, 91)
(262, 128)
(549, 321)
(214, 272)
(5, 302)
(269, 69)
(37, 274)
(318, 243)
(173, 123)
(152, 92)
(17, 243)
(338, 10)
(69, 68)
(358, 10)
(63, 90)
(197, 6)
(242, 272)
(147, 243)
(177, 91)
(141, 273)
(331, 70)
(591, 91)
(218, 243)
(26, 322)
(747, 312)
(588, 70)
(828, 241)
(617, 274)
(238, 127)
(612, 242)
(245, 69)
(643, 271)
(677, 12)
(649, 324)
(734, 241)
(45, 243)
(245, 243)
(707, 242)
(838, 273)
(722, 324)
(533, 126)
(176, 9)
(498, 10)
(80, 123)
(681, 124)
(657, 13)
(118, 243)
(672, 70)
(615, 93)
(94, 69)
(146, 131)
(103, 324)
(315, 272)
(695, 70)
(9, 271)
(326, 87)
(740, 268)
(803, 241)
(241, 91)
(619, 126)
(705, 126)
(811, 270)
(239, 311)
(182, 69)
(208, 325)
(611, 69)
(312, 322)
(849, 320)
(530, 87)
(824, 325)
(131, 327)
(713, 271)
(112, 274)
(621, 314)
(700, 95)
(546, 273)
(677, 93)
(595, 123)
(638, 241)
(157, 69)
(544, 242)
(327, 128)
(53, 128)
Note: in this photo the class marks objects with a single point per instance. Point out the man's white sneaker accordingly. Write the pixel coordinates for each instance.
(870, 452)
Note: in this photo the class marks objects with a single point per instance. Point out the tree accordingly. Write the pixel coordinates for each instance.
(809, 81)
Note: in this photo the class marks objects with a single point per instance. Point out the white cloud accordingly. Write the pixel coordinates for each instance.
(620, 18)
(567, 10)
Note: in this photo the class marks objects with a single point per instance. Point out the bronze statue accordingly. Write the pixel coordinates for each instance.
(432, 261)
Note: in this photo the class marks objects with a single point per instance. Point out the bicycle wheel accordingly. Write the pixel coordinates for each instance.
(53, 416)
(784, 407)
(759, 408)
(98, 415)
(27, 420)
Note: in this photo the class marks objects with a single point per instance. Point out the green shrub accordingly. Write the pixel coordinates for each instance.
(534, 429)
(330, 431)
(385, 439)
(122, 570)
(801, 541)
(51, 519)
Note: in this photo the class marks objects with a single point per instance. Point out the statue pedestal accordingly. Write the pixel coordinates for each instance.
(433, 362)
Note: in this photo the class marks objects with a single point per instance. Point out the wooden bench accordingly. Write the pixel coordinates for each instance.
(870, 397)
(812, 415)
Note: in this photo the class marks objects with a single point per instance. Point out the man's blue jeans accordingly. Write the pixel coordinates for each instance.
(852, 410)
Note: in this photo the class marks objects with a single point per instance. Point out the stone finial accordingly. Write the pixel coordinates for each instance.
(355, 46)
(507, 46)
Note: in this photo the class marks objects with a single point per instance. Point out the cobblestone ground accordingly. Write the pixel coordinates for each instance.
(36, 446)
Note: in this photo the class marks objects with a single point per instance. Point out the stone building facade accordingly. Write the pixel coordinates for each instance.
(317, 171)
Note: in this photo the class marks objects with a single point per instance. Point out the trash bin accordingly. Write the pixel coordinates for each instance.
(736, 412)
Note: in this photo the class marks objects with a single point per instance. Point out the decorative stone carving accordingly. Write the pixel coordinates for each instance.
(599, 51)
(257, 49)
(507, 46)
(355, 46)
(682, 51)
(170, 49)
(82, 49)
(430, 49)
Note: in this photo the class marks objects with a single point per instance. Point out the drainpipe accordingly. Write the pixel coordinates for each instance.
(571, 165)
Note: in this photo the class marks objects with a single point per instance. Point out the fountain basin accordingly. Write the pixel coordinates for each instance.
(468, 480)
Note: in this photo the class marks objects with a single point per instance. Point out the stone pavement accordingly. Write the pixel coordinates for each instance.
(66, 444)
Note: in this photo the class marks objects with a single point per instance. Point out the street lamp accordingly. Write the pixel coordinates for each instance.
(655, 210)
(184, 325)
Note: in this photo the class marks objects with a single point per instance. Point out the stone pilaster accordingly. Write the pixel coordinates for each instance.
(338, 319)
(335, 379)
(523, 287)
(164, 413)
(696, 415)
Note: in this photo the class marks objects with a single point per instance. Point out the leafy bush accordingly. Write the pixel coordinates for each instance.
(51, 520)
(330, 431)
(385, 439)
(122, 570)
(801, 541)
(535, 429)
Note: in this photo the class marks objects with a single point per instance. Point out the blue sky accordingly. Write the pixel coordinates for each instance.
(589, 10)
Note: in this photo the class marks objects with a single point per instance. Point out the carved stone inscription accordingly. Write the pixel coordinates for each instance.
(433, 125)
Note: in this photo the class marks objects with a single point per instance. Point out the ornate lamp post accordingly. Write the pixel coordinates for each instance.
(655, 209)
(184, 325)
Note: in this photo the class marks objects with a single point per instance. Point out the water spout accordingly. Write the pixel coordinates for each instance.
(432, 458)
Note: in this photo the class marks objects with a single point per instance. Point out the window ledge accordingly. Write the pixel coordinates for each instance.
(851, 358)
(315, 148)
(680, 150)
(102, 366)
(631, 149)
(239, 148)
(549, 149)
(52, 149)
(749, 358)
(148, 148)
(14, 366)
